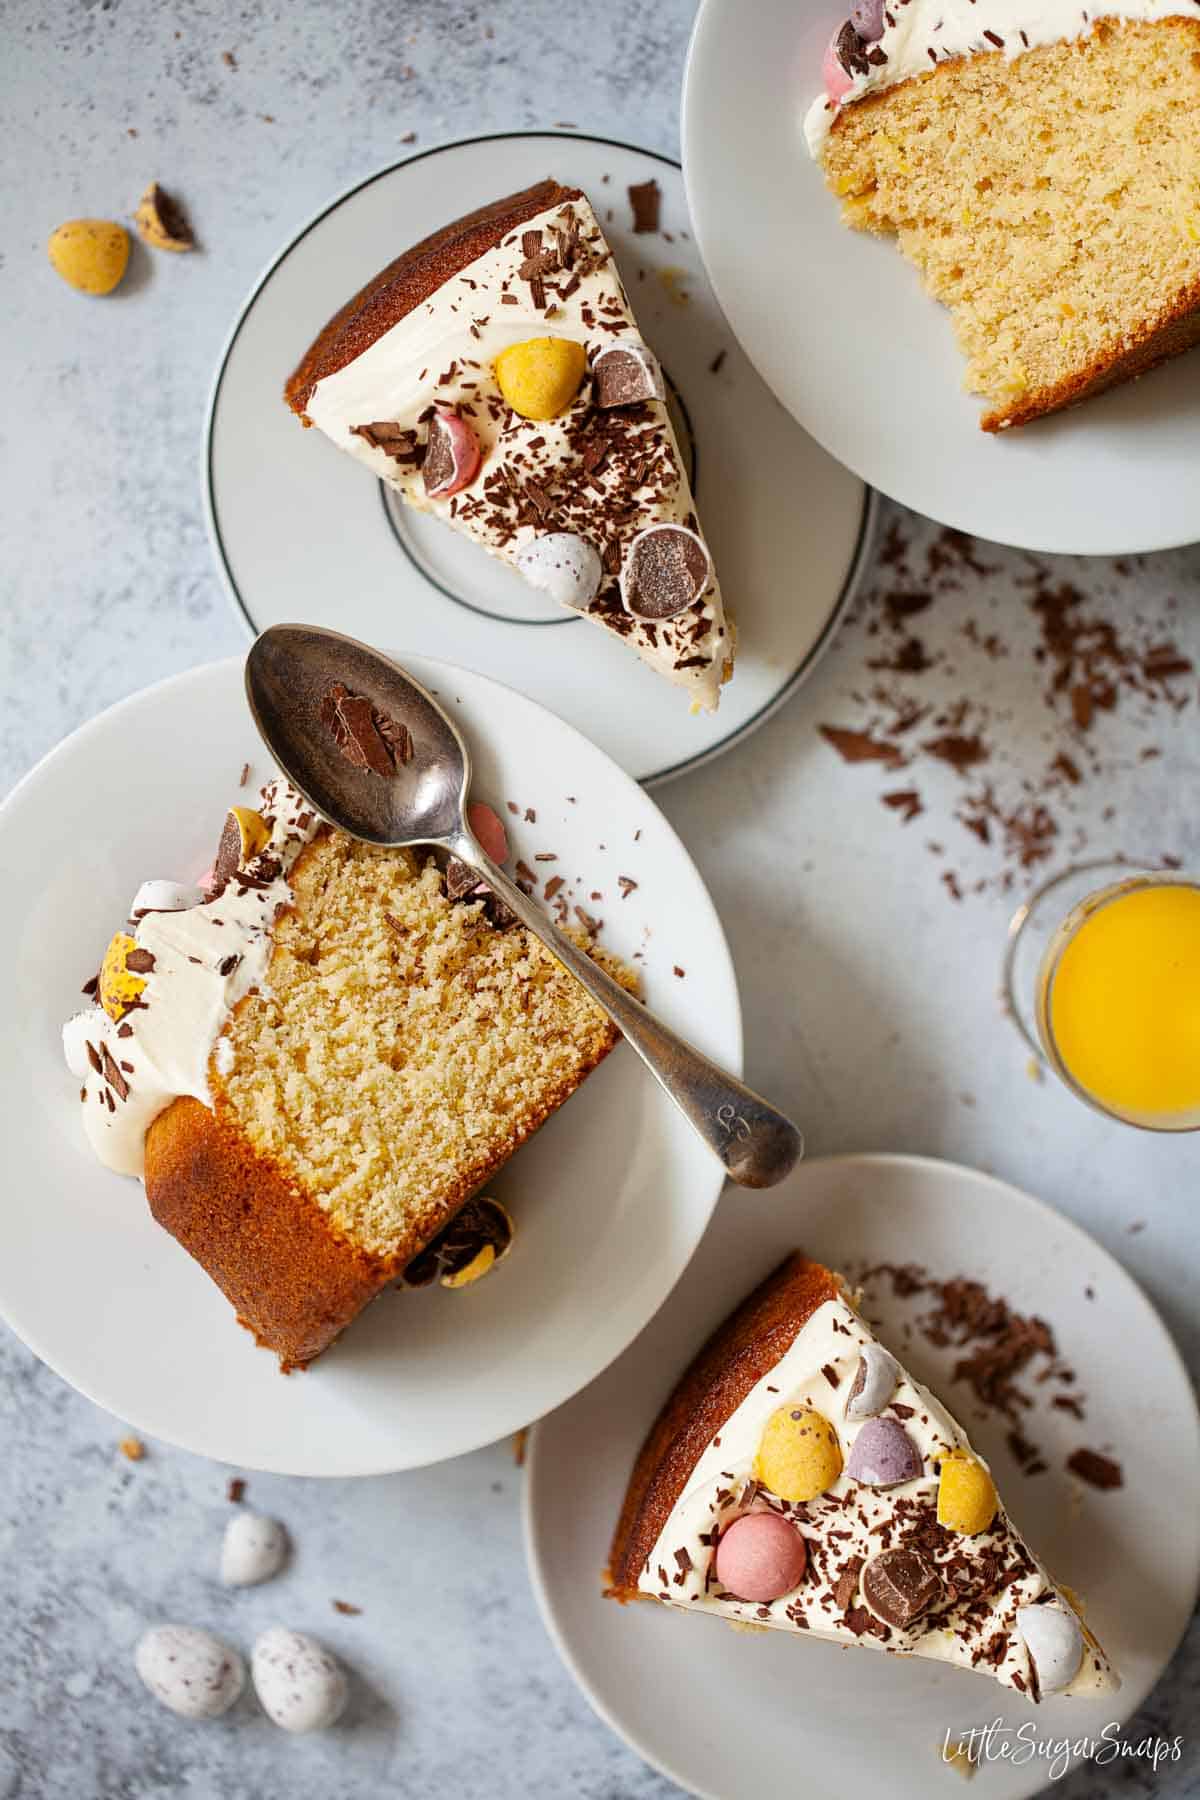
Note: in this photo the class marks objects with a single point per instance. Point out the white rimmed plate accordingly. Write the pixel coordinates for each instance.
(839, 325)
(723, 1713)
(610, 1198)
(302, 533)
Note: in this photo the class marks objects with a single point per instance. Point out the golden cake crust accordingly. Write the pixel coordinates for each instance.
(411, 278)
(737, 1356)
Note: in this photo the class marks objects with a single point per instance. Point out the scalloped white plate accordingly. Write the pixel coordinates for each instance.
(723, 1713)
(838, 324)
(610, 1198)
(302, 533)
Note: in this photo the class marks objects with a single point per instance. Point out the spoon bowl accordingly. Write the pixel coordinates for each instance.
(376, 755)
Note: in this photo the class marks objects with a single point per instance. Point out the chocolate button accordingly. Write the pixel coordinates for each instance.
(666, 571)
(625, 374)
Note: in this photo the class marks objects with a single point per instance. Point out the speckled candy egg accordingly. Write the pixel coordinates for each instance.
(760, 1557)
(799, 1455)
(190, 1670)
(967, 1500)
(1054, 1639)
(883, 1455)
(301, 1686)
(563, 565)
(253, 1550)
(90, 254)
(874, 1382)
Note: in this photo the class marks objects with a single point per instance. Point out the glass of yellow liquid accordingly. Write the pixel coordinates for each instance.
(1103, 977)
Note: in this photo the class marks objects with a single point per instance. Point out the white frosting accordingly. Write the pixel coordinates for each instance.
(442, 353)
(206, 958)
(951, 28)
(721, 1486)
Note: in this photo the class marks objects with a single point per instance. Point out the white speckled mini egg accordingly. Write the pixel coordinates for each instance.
(190, 1670)
(1053, 1638)
(253, 1550)
(301, 1686)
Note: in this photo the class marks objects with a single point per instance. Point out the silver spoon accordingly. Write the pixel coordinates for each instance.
(419, 796)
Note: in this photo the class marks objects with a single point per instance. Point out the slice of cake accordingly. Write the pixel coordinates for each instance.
(1041, 167)
(494, 375)
(799, 1479)
(318, 1060)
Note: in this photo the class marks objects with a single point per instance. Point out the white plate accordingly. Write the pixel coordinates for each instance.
(610, 1197)
(839, 325)
(721, 1713)
(302, 533)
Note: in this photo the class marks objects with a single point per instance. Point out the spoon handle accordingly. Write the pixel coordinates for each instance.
(757, 1145)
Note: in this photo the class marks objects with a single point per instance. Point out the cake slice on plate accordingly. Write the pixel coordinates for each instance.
(1041, 167)
(316, 1061)
(494, 376)
(800, 1480)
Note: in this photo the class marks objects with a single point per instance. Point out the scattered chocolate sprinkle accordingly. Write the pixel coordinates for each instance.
(91, 987)
(861, 746)
(236, 1491)
(93, 1056)
(366, 736)
(1097, 1470)
(680, 972)
(627, 885)
(244, 777)
(645, 198)
(139, 961)
(718, 362)
(831, 1375)
(113, 1075)
(348, 1610)
(228, 964)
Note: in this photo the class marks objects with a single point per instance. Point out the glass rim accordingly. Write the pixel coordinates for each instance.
(1139, 878)
(1046, 1050)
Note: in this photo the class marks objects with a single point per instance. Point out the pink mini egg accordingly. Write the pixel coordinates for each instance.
(760, 1557)
(489, 830)
(451, 456)
(838, 81)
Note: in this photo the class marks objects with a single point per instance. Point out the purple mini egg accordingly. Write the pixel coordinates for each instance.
(867, 19)
(883, 1455)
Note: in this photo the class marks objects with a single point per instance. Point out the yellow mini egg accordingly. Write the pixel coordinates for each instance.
(966, 1494)
(90, 254)
(245, 833)
(799, 1455)
(540, 377)
(120, 986)
(475, 1270)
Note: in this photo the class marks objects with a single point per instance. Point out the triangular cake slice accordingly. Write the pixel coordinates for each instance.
(799, 1479)
(494, 375)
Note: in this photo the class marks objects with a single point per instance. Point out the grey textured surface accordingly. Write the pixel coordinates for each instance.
(109, 584)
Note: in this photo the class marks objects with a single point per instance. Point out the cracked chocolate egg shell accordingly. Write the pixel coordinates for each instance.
(626, 373)
(120, 986)
(452, 455)
(760, 1557)
(899, 1585)
(799, 1455)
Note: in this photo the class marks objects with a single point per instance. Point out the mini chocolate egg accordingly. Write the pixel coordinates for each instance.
(253, 1550)
(866, 16)
(967, 1499)
(760, 1557)
(626, 374)
(834, 73)
(874, 1382)
(666, 570)
(301, 1686)
(121, 983)
(899, 1585)
(799, 1455)
(90, 254)
(245, 833)
(1054, 1639)
(190, 1670)
(883, 1455)
(541, 376)
(452, 455)
(563, 565)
